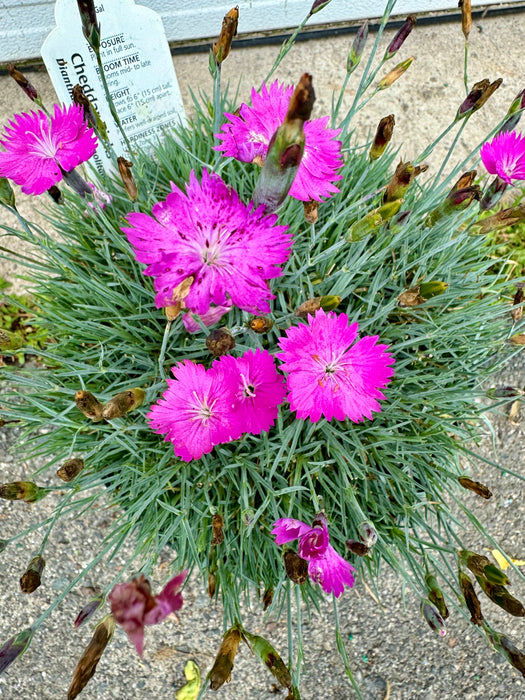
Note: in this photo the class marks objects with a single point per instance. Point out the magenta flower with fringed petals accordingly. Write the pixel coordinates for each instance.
(230, 249)
(325, 566)
(258, 389)
(328, 374)
(195, 412)
(247, 136)
(133, 606)
(505, 156)
(38, 148)
(214, 314)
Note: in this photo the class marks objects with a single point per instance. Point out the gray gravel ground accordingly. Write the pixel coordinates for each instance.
(393, 652)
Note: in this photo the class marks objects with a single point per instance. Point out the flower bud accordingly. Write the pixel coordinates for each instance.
(285, 150)
(10, 341)
(513, 655)
(475, 562)
(400, 38)
(90, 25)
(24, 83)
(403, 177)
(124, 168)
(367, 533)
(87, 664)
(70, 469)
(123, 402)
(329, 302)
(454, 202)
(229, 29)
(3, 545)
(318, 5)
(465, 180)
(475, 486)
(435, 595)
(222, 668)
(220, 342)
(270, 658)
(428, 290)
(466, 17)
(23, 491)
(358, 548)
(495, 575)
(7, 195)
(32, 577)
(82, 101)
(471, 599)
(296, 568)
(395, 74)
(267, 598)
(477, 97)
(372, 222)
(433, 617)
(14, 647)
(498, 594)
(502, 219)
(89, 610)
(311, 211)
(383, 136)
(493, 193)
(519, 297)
(308, 307)
(212, 584)
(260, 324)
(89, 405)
(358, 46)
(217, 524)
(514, 113)
(517, 339)
(506, 392)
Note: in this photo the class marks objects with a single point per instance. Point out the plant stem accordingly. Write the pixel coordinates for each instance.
(109, 99)
(163, 349)
(217, 113)
(450, 151)
(465, 69)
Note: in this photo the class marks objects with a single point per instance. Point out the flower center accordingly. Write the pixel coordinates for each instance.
(43, 143)
(201, 410)
(248, 389)
(211, 252)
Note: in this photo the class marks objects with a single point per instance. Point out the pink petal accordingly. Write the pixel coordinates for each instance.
(288, 529)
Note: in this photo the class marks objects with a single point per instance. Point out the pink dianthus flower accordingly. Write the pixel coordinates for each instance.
(39, 148)
(325, 566)
(505, 156)
(133, 606)
(210, 318)
(258, 389)
(327, 375)
(195, 411)
(247, 136)
(230, 249)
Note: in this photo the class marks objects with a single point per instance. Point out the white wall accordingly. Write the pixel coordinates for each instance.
(25, 23)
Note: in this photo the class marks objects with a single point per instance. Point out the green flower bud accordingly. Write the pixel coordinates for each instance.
(433, 617)
(10, 341)
(395, 74)
(270, 658)
(7, 196)
(435, 595)
(14, 647)
(23, 491)
(428, 290)
(358, 46)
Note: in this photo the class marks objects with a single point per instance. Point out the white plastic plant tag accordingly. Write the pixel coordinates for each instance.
(137, 65)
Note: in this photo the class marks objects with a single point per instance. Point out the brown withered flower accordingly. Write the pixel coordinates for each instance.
(395, 74)
(220, 342)
(311, 211)
(221, 670)
(385, 130)
(124, 168)
(32, 576)
(26, 491)
(70, 469)
(471, 599)
(359, 548)
(466, 17)
(517, 310)
(267, 598)
(87, 664)
(229, 29)
(403, 177)
(82, 101)
(89, 405)
(123, 402)
(476, 486)
(296, 568)
(217, 524)
(24, 83)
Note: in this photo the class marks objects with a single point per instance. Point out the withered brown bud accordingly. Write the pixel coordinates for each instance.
(212, 585)
(302, 100)
(55, 194)
(229, 29)
(24, 83)
(217, 524)
(220, 342)
(32, 577)
(70, 469)
(222, 668)
(123, 402)
(515, 657)
(475, 486)
(384, 132)
(498, 594)
(26, 491)
(311, 211)
(260, 324)
(178, 296)
(519, 297)
(296, 568)
(475, 562)
(124, 168)
(466, 17)
(502, 219)
(410, 297)
(310, 306)
(466, 180)
(87, 664)
(471, 599)
(89, 405)
(359, 548)
(82, 101)
(478, 95)
(267, 598)
(403, 177)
